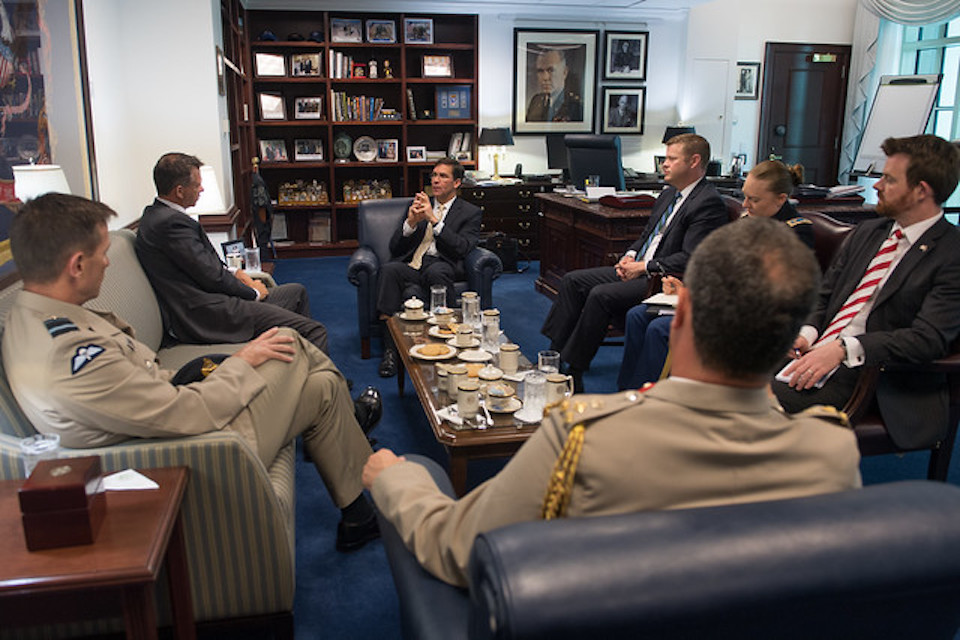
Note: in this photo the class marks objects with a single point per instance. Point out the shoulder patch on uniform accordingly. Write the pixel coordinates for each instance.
(828, 413)
(581, 409)
(84, 356)
(793, 222)
(59, 326)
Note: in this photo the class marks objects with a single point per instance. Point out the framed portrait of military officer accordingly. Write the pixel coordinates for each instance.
(555, 80)
(622, 109)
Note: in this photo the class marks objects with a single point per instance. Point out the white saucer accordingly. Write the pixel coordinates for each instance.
(436, 333)
(433, 320)
(475, 355)
(404, 316)
(474, 342)
(527, 418)
(416, 352)
(513, 405)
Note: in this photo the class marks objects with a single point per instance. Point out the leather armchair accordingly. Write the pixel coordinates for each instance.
(376, 221)
(878, 562)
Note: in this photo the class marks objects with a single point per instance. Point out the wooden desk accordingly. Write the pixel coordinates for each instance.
(577, 235)
(141, 530)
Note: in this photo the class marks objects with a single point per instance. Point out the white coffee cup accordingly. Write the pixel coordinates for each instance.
(414, 309)
(464, 336)
(455, 374)
(468, 398)
(443, 315)
(498, 396)
(509, 357)
(559, 387)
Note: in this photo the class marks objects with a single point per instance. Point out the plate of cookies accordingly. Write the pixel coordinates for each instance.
(433, 351)
(443, 330)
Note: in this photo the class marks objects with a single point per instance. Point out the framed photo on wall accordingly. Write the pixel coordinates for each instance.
(623, 109)
(554, 79)
(625, 55)
(418, 30)
(748, 81)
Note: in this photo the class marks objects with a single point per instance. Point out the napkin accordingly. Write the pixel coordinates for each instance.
(128, 480)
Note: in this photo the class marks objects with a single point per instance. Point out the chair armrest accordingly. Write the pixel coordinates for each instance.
(363, 260)
(263, 277)
(482, 267)
(947, 364)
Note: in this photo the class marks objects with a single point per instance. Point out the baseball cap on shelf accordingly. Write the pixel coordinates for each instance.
(316, 36)
(295, 37)
(266, 36)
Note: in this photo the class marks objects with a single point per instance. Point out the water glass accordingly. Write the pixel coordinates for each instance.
(548, 362)
(39, 447)
(438, 297)
(534, 396)
(251, 258)
(470, 308)
(490, 337)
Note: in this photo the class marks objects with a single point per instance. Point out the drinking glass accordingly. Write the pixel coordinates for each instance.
(548, 362)
(438, 297)
(470, 308)
(534, 397)
(39, 447)
(490, 337)
(251, 259)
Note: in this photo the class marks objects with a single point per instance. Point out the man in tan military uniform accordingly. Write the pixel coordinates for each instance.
(84, 376)
(709, 435)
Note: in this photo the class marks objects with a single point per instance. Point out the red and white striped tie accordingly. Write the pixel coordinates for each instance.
(871, 279)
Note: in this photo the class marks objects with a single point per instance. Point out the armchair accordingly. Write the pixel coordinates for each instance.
(377, 220)
(869, 563)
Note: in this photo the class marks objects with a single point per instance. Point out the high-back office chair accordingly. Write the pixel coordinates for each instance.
(589, 154)
(377, 220)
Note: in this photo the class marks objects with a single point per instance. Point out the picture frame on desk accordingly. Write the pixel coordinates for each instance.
(308, 108)
(305, 65)
(274, 150)
(346, 30)
(308, 149)
(416, 154)
(272, 106)
(545, 52)
(624, 109)
(418, 30)
(625, 55)
(437, 66)
(381, 31)
(388, 150)
(748, 81)
(270, 65)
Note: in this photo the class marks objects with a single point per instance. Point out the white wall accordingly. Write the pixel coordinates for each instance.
(153, 89)
(732, 30)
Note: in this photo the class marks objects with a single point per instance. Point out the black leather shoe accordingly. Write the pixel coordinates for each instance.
(388, 365)
(368, 407)
(351, 536)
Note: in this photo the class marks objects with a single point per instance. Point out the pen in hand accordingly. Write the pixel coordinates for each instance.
(797, 354)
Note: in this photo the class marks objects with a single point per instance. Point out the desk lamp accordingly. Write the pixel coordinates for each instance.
(211, 199)
(671, 132)
(496, 137)
(34, 180)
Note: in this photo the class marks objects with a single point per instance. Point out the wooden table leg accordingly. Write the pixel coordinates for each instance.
(401, 376)
(458, 473)
(178, 582)
(139, 612)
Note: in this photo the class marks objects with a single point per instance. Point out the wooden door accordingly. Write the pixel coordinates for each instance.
(801, 115)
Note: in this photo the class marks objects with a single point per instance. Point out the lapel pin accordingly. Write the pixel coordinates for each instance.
(923, 247)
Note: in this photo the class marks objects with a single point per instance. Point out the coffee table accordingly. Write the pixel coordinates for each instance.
(140, 532)
(462, 445)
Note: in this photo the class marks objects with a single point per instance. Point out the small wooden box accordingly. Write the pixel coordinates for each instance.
(62, 503)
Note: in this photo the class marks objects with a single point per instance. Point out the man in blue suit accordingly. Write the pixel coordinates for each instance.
(684, 214)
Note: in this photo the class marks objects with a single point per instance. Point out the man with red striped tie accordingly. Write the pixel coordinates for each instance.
(892, 294)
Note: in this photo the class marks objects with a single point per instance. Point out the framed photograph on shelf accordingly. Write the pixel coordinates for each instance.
(381, 31)
(625, 55)
(346, 30)
(308, 149)
(270, 65)
(308, 108)
(554, 79)
(271, 107)
(418, 30)
(748, 81)
(416, 154)
(305, 64)
(437, 66)
(623, 109)
(388, 150)
(232, 247)
(273, 151)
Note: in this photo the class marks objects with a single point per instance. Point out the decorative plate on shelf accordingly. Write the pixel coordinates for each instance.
(365, 148)
(342, 146)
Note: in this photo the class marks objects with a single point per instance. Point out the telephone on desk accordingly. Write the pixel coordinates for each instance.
(630, 173)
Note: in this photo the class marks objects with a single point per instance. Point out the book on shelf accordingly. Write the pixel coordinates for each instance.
(413, 107)
(364, 108)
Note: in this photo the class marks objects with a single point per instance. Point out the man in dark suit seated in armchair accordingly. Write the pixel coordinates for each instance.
(683, 215)
(891, 294)
(428, 248)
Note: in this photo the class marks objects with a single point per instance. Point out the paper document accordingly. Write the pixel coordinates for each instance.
(662, 299)
(128, 480)
(782, 377)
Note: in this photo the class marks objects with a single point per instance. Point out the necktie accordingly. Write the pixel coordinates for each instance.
(658, 228)
(549, 105)
(865, 290)
(417, 261)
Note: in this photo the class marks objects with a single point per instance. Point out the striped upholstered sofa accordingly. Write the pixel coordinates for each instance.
(238, 515)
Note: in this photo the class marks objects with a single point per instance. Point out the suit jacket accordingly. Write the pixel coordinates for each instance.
(681, 444)
(461, 232)
(702, 212)
(198, 295)
(801, 226)
(915, 318)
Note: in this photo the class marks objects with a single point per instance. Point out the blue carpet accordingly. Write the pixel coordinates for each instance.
(352, 595)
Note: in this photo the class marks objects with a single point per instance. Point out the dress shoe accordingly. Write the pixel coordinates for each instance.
(388, 365)
(368, 407)
(351, 536)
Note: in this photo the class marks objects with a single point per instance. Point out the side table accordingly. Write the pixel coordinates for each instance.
(141, 531)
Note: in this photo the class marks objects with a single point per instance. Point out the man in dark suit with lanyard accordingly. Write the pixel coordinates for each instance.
(428, 248)
(891, 294)
(684, 214)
